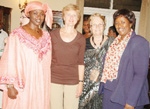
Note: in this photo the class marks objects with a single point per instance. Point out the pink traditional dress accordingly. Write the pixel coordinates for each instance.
(26, 64)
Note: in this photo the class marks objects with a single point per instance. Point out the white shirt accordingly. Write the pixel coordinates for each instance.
(3, 35)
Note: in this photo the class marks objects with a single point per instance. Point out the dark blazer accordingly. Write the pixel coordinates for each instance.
(131, 85)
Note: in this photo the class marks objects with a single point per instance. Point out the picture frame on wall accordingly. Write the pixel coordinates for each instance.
(58, 17)
(57, 20)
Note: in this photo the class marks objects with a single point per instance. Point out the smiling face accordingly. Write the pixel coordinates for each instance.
(111, 33)
(123, 26)
(86, 26)
(97, 26)
(70, 18)
(36, 17)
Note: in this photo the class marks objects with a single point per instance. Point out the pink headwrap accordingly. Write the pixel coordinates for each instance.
(33, 5)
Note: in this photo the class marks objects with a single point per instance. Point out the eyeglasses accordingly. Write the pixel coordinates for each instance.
(97, 25)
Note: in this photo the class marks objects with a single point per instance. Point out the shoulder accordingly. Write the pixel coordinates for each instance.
(45, 32)
(81, 39)
(55, 34)
(14, 35)
(80, 36)
(46, 35)
(4, 32)
(138, 40)
(16, 31)
(88, 41)
(138, 43)
(55, 31)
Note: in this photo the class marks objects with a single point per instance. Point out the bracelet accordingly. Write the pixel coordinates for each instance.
(10, 85)
(80, 80)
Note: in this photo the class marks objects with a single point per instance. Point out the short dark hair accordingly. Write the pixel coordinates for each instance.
(113, 29)
(129, 15)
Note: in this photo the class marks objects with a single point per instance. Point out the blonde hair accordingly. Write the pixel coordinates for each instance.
(72, 7)
(97, 15)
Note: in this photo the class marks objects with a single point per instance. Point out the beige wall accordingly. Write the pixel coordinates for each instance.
(148, 26)
(15, 15)
(80, 3)
(144, 26)
(148, 23)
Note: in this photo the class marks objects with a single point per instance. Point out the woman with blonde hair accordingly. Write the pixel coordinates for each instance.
(96, 47)
(68, 46)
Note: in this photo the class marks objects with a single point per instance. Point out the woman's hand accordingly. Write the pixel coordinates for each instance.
(79, 89)
(12, 92)
(127, 106)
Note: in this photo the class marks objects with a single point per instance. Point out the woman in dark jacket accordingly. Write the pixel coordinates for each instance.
(126, 67)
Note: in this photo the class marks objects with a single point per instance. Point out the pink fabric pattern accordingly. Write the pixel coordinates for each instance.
(13, 80)
(113, 57)
(39, 46)
(26, 64)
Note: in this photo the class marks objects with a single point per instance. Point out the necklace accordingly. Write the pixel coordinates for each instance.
(37, 31)
(100, 42)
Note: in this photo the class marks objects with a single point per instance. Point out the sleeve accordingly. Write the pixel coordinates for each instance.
(82, 51)
(11, 70)
(6, 35)
(140, 65)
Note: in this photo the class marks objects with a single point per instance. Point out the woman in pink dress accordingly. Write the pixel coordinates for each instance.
(25, 63)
